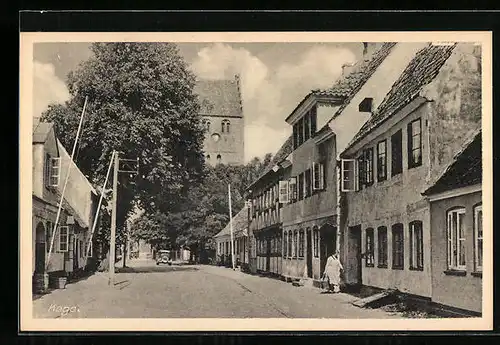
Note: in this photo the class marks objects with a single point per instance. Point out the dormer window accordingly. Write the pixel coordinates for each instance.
(52, 171)
(366, 105)
(305, 128)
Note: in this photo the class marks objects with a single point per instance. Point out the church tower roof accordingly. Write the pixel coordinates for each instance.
(219, 97)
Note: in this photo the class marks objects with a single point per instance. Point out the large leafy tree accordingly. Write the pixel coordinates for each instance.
(140, 102)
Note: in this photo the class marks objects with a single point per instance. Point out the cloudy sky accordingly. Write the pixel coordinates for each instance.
(274, 76)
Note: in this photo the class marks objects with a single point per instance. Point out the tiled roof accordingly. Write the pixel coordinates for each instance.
(219, 97)
(423, 68)
(361, 72)
(348, 85)
(41, 131)
(240, 222)
(282, 153)
(465, 170)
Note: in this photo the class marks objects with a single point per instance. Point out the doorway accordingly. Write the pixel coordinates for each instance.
(353, 264)
(40, 248)
(309, 242)
(328, 243)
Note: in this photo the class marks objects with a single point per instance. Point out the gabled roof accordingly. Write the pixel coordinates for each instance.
(346, 87)
(465, 170)
(421, 70)
(41, 131)
(280, 156)
(240, 222)
(219, 97)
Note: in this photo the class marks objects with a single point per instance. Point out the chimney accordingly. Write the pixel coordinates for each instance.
(346, 69)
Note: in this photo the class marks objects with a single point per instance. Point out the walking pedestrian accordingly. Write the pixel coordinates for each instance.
(333, 269)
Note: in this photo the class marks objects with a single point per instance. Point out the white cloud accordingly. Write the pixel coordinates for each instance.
(269, 97)
(47, 88)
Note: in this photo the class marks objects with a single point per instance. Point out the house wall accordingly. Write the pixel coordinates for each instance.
(463, 292)
(456, 111)
(230, 145)
(351, 120)
(396, 200)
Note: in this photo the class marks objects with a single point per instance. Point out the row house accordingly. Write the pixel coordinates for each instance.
(456, 216)
(400, 150)
(71, 241)
(265, 214)
(240, 241)
(323, 123)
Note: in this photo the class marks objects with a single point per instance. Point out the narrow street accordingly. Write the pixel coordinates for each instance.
(149, 291)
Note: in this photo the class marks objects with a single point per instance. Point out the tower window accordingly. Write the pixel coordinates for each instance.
(207, 125)
(219, 158)
(225, 126)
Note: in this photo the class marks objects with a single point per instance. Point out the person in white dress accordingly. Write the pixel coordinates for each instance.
(333, 269)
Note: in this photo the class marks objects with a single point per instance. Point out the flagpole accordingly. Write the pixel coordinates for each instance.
(231, 224)
(65, 184)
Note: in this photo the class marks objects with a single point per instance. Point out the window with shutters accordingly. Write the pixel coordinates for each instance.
(349, 175)
(290, 244)
(300, 187)
(382, 160)
(307, 183)
(368, 160)
(397, 246)
(456, 239)
(397, 153)
(414, 144)
(300, 129)
(318, 176)
(478, 238)
(293, 189)
(382, 247)
(284, 196)
(416, 246)
(369, 249)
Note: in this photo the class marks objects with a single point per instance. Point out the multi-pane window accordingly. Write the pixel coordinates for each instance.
(301, 186)
(63, 239)
(382, 246)
(456, 239)
(397, 246)
(361, 170)
(284, 195)
(349, 175)
(301, 131)
(285, 245)
(290, 244)
(316, 243)
(295, 247)
(293, 189)
(301, 243)
(318, 175)
(307, 177)
(307, 127)
(368, 161)
(369, 252)
(52, 171)
(382, 161)
(397, 153)
(478, 238)
(313, 115)
(416, 245)
(414, 143)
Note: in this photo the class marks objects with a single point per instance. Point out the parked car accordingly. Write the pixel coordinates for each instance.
(163, 257)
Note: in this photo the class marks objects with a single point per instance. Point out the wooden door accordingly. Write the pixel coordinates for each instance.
(353, 264)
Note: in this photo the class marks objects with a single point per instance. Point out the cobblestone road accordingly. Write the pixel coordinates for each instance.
(149, 291)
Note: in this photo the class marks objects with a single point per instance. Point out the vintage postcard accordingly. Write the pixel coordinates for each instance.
(256, 181)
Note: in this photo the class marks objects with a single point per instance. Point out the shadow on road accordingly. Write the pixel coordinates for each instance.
(151, 269)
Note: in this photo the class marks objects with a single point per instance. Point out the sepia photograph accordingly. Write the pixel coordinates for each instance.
(247, 181)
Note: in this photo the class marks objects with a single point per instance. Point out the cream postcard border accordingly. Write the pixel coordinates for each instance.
(28, 323)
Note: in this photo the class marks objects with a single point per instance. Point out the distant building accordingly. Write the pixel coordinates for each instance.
(222, 112)
(240, 241)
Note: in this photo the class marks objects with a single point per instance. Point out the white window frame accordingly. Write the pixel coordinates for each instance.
(66, 228)
(414, 245)
(284, 192)
(292, 184)
(453, 238)
(54, 171)
(478, 266)
(354, 174)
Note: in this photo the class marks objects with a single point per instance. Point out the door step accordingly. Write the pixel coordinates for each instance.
(367, 301)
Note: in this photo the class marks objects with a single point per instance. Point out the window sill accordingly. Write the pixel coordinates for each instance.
(477, 274)
(416, 268)
(369, 265)
(381, 266)
(455, 273)
(398, 268)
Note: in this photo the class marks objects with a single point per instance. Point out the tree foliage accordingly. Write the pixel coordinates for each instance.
(140, 102)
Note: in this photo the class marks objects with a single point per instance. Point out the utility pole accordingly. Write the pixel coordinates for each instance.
(112, 242)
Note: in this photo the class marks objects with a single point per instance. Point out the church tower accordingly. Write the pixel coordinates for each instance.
(222, 112)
